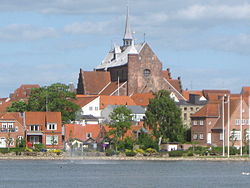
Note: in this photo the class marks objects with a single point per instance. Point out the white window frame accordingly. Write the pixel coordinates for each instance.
(195, 122)
(201, 136)
(51, 126)
(221, 136)
(195, 136)
(237, 122)
(49, 140)
(237, 135)
(37, 128)
(201, 122)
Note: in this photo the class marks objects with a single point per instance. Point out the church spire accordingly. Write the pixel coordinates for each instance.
(128, 37)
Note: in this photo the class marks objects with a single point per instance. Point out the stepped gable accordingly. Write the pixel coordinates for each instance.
(92, 82)
(23, 91)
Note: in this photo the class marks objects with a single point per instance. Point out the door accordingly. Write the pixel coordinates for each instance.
(209, 138)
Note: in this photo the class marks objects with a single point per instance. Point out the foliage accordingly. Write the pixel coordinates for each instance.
(146, 141)
(176, 153)
(130, 153)
(164, 118)
(151, 150)
(5, 150)
(56, 98)
(18, 106)
(111, 152)
(140, 151)
(120, 123)
(127, 143)
(38, 147)
(20, 143)
(233, 137)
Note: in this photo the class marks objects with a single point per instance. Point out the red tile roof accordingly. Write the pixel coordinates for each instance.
(95, 81)
(111, 87)
(83, 100)
(142, 99)
(212, 109)
(115, 100)
(188, 92)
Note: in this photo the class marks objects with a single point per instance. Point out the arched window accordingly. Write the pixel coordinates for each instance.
(146, 73)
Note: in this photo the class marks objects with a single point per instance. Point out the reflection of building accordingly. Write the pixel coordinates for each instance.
(128, 69)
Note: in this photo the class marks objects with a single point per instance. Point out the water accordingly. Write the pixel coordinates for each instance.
(123, 174)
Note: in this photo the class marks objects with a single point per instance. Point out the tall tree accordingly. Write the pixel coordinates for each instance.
(120, 123)
(164, 118)
(18, 106)
(54, 98)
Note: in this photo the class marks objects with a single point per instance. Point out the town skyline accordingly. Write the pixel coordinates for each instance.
(206, 44)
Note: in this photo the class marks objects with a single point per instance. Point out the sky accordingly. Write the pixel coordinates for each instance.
(205, 42)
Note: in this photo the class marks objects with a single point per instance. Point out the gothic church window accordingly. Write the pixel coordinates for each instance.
(146, 73)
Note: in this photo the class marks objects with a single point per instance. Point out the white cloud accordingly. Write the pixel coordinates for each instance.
(16, 32)
(87, 27)
(201, 12)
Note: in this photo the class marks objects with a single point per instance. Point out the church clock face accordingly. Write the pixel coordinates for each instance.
(146, 73)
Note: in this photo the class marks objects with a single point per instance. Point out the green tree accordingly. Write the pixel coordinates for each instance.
(120, 123)
(54, 98)
(18, 106)
(164, 118)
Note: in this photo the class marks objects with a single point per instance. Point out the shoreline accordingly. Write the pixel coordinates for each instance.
(119, 158)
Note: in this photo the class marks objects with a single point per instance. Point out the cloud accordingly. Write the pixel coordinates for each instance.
(201, 12)
(17, 32)
(87, 27)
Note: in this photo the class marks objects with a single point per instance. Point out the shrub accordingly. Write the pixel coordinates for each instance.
(190, 154)
(151, 150)
(38, 147)
(28, 149)
(146, 141)
(127, 143)
(111, 152)
(176, 153)
(141, 151)
(130, 153)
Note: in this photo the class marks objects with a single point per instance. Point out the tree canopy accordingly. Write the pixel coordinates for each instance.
(53, 98)
(18, 106)
(120, 123)
(164, 118)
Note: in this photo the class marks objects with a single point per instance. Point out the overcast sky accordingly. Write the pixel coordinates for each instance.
(206, 42)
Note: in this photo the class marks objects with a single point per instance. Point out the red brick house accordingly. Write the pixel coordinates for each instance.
(207, 123)
(11, 129)
(44, 128)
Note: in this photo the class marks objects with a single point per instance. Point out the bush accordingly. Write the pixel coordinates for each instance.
(146, 141)
(38, 147)
(176, 153)
(151, 150)
(190, 154)
(130, 153)
(111, 152)
(140, 151)
(127, 143)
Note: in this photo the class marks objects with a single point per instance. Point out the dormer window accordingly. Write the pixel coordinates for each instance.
(146, 73)
(51, 126)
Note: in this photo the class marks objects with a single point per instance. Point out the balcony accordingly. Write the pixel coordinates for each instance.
(6, 130)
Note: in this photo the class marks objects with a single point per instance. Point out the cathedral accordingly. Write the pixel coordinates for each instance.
(129, 69)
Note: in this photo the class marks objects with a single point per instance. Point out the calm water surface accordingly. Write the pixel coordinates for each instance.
(118, 174)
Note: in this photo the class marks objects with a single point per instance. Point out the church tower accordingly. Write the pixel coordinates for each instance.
(128, 36)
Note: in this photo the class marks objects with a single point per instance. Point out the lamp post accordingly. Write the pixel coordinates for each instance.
(223, 127)
(228, 127)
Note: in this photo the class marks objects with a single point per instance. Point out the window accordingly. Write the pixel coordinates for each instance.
(191, 108)
(90, 108)
(201, 136)
(221, 136)
(185, 116)
(20, 138)
(201, 122)
(237, 122)
(146, 73)
(34, 139)
(96, 108)
(235, 135)
(34, 128)
(4, 125)
(194, 122)
(10, 125)
(51, 126)
(11, 141)
(52, 140)
(88, 135)
(185, 108)
(195, 136)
